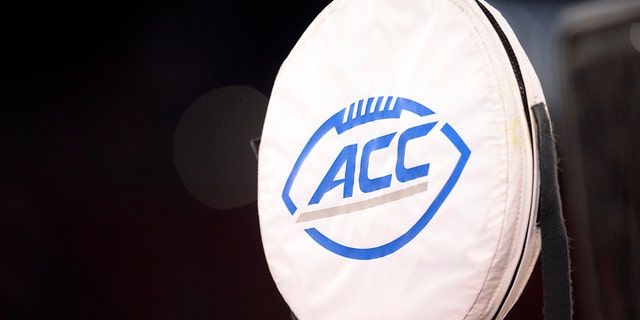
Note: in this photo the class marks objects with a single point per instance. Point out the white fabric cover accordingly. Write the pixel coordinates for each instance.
(439, 243)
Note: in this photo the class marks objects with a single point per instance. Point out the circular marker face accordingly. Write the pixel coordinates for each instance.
(212, 146)
(403, 184)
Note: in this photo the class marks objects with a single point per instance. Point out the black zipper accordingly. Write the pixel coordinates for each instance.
(523, 95)
(512, 58)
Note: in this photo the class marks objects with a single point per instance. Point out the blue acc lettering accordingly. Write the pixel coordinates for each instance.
(366, 111)
(347, 158)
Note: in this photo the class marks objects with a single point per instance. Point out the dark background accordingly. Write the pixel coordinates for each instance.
(95, 222)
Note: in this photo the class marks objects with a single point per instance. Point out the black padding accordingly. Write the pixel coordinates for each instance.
(556, 277)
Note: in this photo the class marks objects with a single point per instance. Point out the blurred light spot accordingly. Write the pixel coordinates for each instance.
(634, 34)
(212, 147)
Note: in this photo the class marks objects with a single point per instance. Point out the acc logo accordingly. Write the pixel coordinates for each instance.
(377, 156)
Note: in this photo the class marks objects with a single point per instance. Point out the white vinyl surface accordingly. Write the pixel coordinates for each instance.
(396, 175)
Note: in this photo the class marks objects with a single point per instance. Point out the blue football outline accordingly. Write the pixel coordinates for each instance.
(338, 123)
